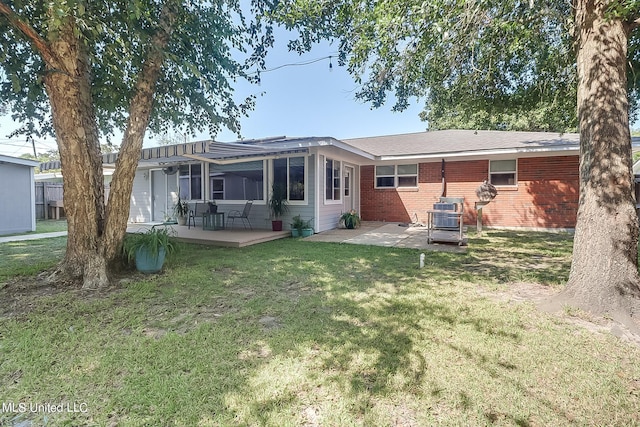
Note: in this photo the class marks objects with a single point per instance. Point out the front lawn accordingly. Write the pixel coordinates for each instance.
(293, 333)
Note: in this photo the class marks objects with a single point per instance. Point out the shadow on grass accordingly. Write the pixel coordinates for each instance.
(285, 333)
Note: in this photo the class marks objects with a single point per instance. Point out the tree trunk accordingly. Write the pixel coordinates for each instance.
(139, 117)
(604, 271)
(68, 86)
(95, 231)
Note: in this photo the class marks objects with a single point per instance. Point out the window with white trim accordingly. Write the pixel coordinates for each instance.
(332, 179)
(503, 172)
(217, 188)
(397, 176)
(190, 181)
(290, 173)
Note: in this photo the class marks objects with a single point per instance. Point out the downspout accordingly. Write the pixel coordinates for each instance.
(443, 191)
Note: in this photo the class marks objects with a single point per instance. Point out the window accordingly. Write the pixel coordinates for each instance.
(190, 182)
(289, 173)
(237, 181)
(391, 176)
(502, 172)
(407, 175)
(217, 188)
(332, 179)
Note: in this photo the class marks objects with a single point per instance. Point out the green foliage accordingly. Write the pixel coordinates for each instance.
(507, 65)
(154, 239)
(212, 46)
(47, 156)
(278, 204)
(181, 208)
(350, 219)
(300, 224)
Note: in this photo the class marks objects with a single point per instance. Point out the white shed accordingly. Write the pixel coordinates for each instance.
(17, 195)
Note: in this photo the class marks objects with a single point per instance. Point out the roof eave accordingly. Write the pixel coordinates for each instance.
(573, 149)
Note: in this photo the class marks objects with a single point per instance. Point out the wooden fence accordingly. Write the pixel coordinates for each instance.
(46, 192)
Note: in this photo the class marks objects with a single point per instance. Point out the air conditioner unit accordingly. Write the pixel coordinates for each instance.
(444, 219)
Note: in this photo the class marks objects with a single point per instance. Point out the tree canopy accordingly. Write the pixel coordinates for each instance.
(83, 68)
(212, 45)
(482, 64)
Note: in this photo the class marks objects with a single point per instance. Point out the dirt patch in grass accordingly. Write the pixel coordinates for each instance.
(20, 296)
(538, 294)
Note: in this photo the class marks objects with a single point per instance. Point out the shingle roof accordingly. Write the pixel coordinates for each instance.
(451, 142)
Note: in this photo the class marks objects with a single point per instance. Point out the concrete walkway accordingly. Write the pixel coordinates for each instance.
(32, 236)
(385, 234)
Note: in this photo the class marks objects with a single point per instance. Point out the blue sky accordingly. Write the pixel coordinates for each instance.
(304, 100)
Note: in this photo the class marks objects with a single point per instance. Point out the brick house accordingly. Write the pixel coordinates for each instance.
(536, 175)
(394, 178)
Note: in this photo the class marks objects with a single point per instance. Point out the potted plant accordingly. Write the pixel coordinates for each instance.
(149, 249)
(300, 227)
(277, 206)
(181, 211)
(350, 219)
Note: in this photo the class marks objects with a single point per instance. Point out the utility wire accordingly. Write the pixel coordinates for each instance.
(296, 64)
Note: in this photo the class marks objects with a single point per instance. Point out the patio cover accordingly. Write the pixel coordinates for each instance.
(207, 151)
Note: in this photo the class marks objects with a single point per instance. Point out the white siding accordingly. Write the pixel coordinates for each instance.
(328, 213)
(140, 207)
(17, 198)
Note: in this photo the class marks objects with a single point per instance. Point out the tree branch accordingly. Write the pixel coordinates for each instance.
(27, 30)
(140, 110)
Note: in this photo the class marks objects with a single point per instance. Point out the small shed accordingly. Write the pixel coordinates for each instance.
(17, 195)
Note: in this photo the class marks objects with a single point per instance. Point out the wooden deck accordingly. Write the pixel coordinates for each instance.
(237, 237)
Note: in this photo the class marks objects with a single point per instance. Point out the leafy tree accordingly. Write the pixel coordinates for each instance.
(512, 64)
(47, 156)
(81, 69)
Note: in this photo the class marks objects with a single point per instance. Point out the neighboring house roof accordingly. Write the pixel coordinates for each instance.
(19, 161)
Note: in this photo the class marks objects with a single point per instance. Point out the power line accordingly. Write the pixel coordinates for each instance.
(295, 64)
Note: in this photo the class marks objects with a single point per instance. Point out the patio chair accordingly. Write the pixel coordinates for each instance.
(196, 211)
(244, 215)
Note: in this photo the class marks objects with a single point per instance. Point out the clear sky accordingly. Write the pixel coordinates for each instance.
(301, 100)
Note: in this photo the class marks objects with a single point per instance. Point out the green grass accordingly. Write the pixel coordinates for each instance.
(294, 333)
(44, 226)
(51, 225)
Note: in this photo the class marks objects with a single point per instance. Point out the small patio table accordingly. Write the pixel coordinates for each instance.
(213, 221)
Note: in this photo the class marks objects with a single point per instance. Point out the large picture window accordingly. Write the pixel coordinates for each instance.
(237, 181)
(289, 173)
(332, 179)
(392, 176)
(190, 182)
(503, 172)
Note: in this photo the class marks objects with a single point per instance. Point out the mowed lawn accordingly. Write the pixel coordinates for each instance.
(298, 333)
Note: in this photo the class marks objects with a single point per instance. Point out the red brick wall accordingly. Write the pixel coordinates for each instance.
(546, 194)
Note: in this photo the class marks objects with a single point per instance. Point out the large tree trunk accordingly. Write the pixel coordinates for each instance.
(68, 83)
(604, 271)
(96, 231)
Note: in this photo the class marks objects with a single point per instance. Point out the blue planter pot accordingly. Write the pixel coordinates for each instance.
(306, 232)
(295, 232)
(147, 263)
